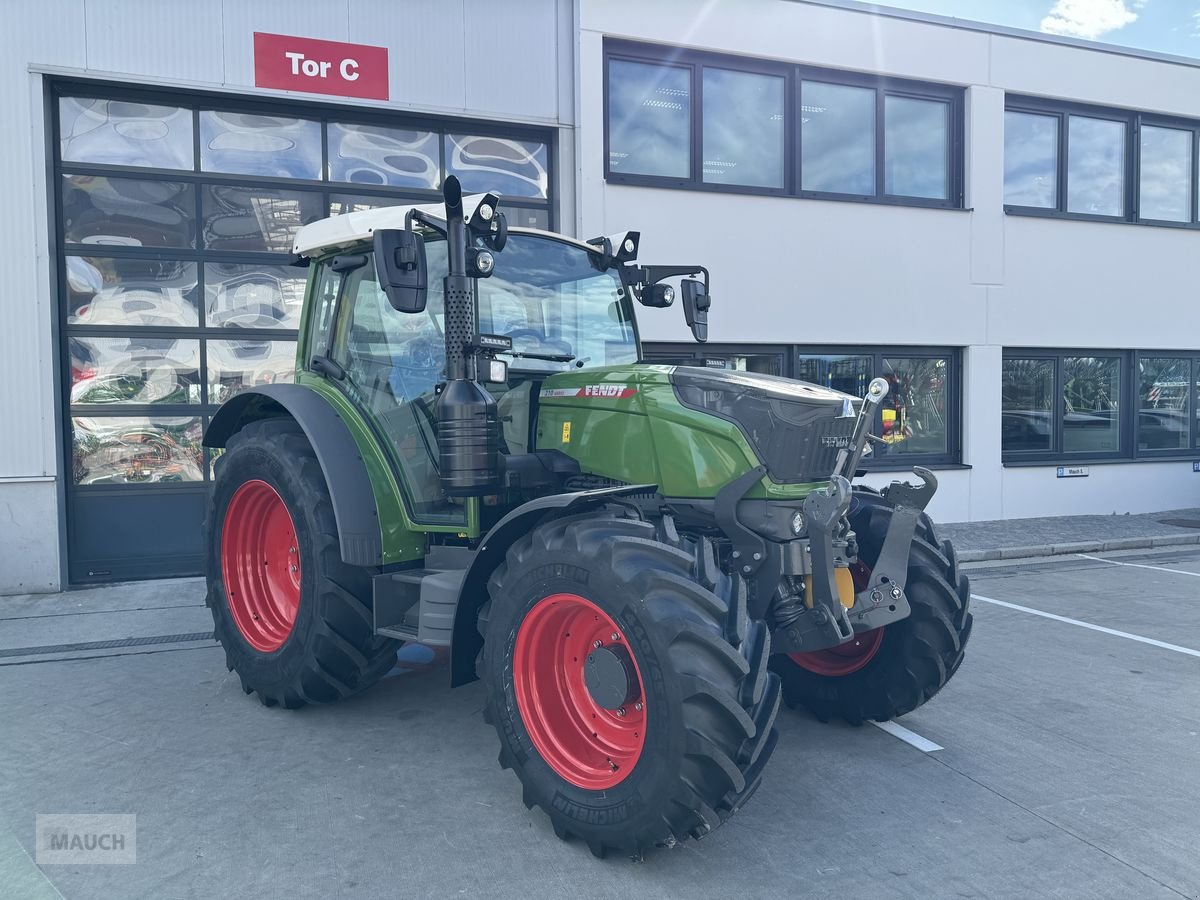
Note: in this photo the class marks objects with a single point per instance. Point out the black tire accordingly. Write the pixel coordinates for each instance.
(331, 651)
(917, 655)
(710, 700)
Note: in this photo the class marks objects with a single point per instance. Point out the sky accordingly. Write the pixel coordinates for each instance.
(1166, 26)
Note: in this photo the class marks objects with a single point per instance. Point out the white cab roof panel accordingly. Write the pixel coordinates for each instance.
(340, 231)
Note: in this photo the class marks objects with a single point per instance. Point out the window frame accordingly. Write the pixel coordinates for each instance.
(793, 74)
(1129, 398)
(1133, 121)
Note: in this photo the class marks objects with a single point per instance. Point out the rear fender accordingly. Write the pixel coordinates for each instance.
(466, 641)
(361, 543)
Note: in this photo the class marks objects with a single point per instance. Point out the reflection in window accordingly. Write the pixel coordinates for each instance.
(1031, 160)
(1165, 174)
(526, 218)
(136, 450)
(1096, 166)
(127, 212)
(837, 138)
(743, 128)
(106, 291)
(916, 147)
(246, 144)
(368, 154)
(252, 296)
(510, 168)
(1164, 399)
(236, 365)
(1091, 397)
(649, 119)
(340, 204)
(848, 374)
(1027, 404)
(124, 133)
(257, 219)
(914, 412)
(135, 370)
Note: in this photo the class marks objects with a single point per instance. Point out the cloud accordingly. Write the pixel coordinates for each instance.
(1090, 19)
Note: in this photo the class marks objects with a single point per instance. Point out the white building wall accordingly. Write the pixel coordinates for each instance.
(509, 61)
(787, 270)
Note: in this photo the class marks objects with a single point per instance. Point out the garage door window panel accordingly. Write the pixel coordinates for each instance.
(505, 166)
(259, 220)
(239, 295)
(136, 450)
(128, 212)
(392, 157)
(140, 369)
(125, 133)
(121, 292)
(235, 366)
(246, 144)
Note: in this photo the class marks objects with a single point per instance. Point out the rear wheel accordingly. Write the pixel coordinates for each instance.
(890, 671)
(291, 616)
(629, 690)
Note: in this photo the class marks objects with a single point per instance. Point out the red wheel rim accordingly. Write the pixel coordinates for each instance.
(260, 563)
(851, 656)
(587, 745)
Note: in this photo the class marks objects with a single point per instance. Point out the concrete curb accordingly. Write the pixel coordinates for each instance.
(1130, 543)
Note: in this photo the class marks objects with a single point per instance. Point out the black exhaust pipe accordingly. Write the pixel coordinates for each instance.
(468, 424)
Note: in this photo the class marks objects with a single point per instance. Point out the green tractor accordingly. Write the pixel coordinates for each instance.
(637, 559)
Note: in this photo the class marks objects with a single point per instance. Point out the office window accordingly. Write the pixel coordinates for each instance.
(1030, 160)
(1164, 397)
(1027, 404)
(1074, 161)
(918, 420)
(743, 128)
(1165, 174)
(1095, 166)
(770, 127)
(1091, 404)
(837, 138)
(916, 145)
(649, 119)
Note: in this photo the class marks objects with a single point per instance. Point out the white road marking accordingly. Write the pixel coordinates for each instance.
(909, 737)
(1125, 634)
(1139, 565)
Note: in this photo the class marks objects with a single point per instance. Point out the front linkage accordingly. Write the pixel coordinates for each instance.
(799, 583)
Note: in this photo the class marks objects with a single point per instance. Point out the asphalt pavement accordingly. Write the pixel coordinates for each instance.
(1059, 762)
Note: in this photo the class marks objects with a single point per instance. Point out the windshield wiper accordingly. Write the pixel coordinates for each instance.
(549, 357)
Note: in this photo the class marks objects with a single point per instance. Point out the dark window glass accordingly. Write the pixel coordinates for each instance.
(837, 138)
(649, 119)
(127, 212)
(1095, 166)
(1031, 160)
(1091, 397)
(916, 148)
(526, 218)
(125, 133)
(257, 219)
(1027, 404)
(136, 450)
(509, 167)
(252, 296)
(340, 204)
(368, 154)
(914, 412)
(849, 374)
(135, 370)
(743, 128)
(106, 291)
(236, 365)
(247, 144)
(1165, 174)
(1164, 400)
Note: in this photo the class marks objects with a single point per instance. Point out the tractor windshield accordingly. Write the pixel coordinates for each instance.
(548, 297)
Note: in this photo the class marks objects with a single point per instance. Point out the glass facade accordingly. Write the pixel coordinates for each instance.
(176, 221)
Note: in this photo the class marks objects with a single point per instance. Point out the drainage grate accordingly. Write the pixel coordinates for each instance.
(1181, 523)
(108, 645)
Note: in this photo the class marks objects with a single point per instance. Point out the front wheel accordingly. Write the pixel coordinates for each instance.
(629, 690)
(881, 674)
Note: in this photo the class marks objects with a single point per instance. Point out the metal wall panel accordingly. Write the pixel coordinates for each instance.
(162, 40)
(426, 52)
(512, 57)
(323, 19)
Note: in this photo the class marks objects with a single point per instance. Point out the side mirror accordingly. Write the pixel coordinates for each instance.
(696, 302)
(400, 268)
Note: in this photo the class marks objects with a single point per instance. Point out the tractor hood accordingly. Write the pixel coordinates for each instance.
(692, 429)
(795, 428)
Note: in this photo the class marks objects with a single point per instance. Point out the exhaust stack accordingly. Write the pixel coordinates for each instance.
(468, 425)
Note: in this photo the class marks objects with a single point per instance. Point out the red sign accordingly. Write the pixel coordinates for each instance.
(320, 67)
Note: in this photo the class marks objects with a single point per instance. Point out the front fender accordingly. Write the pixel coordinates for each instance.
(361, 543)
